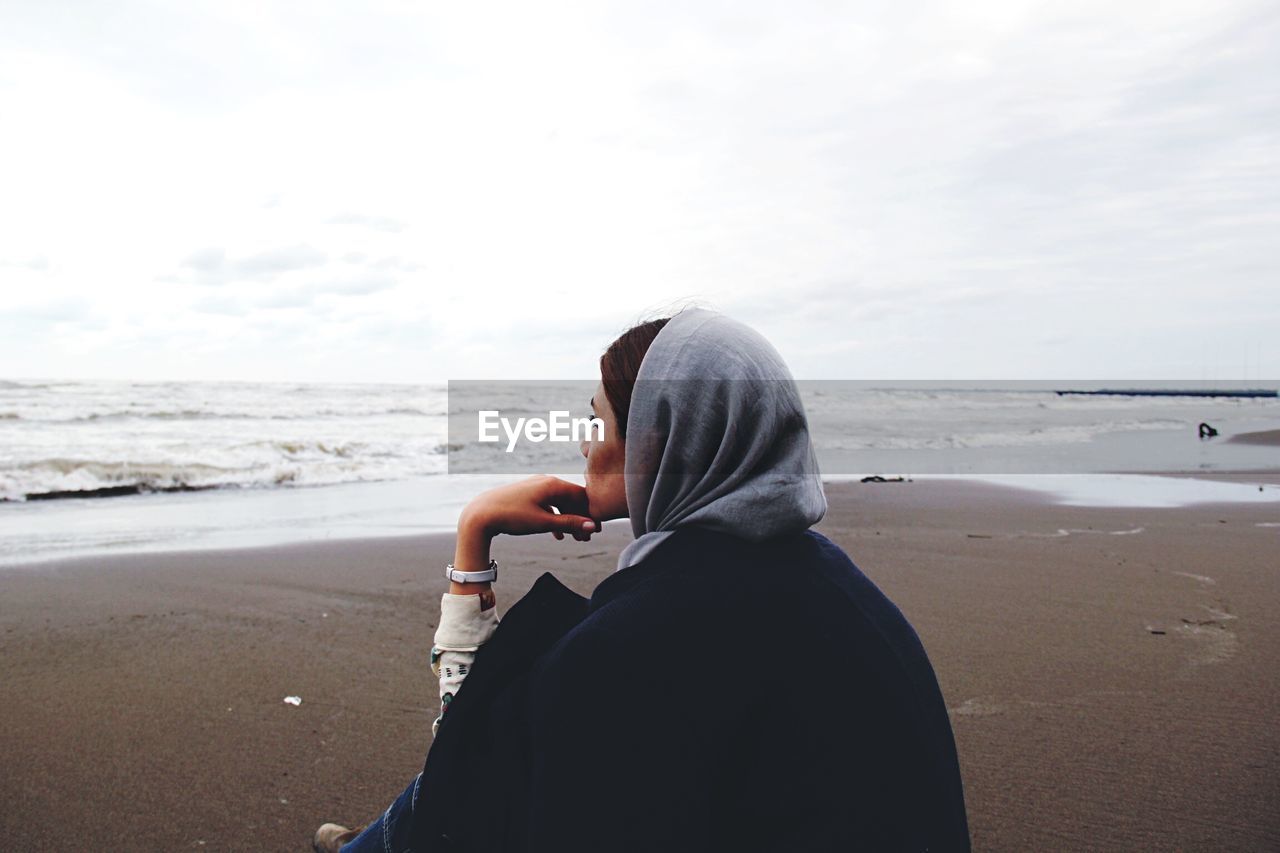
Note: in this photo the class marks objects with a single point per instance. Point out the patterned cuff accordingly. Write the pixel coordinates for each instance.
(451, 668)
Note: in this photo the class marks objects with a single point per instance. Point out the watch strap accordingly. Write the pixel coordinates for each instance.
(487, 575)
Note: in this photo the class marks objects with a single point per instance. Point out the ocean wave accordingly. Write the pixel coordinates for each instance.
(63, 476)
(107, 492)
(1027, 437)
(31, 385)
(202, 415)
(252, 464)
(296, 448)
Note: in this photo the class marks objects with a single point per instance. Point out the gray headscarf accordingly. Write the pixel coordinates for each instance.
(717, 437)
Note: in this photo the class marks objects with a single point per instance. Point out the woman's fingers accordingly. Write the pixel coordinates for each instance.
(563, 495)
(566, 502)
(582, 534)
(575, 525)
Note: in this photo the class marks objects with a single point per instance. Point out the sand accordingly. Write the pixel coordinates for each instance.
(1268, 437)
(1110, 673)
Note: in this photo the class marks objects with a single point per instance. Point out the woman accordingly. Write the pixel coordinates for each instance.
(737, 684)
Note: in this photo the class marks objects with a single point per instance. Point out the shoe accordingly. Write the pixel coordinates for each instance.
(330, 837)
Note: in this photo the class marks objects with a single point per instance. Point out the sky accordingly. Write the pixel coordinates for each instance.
(403, 192)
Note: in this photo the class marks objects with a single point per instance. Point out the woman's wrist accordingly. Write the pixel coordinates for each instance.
(471, 554)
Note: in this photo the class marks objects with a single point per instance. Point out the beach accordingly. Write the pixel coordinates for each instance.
(1265, 437)
(1109, 672)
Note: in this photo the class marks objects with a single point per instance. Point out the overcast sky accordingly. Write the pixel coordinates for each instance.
(403, 191)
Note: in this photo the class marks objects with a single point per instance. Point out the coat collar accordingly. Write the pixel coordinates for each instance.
(671, 555)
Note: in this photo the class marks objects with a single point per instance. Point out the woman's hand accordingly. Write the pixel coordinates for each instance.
(526, 507)
(518, 509)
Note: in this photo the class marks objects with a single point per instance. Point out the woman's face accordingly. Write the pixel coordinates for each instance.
(606, 489)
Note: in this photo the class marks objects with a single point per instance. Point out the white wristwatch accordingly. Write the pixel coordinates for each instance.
(489, 574)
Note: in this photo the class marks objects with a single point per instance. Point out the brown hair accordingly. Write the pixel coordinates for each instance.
(620, 365)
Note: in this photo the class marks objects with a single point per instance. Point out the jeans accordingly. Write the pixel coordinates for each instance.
(390, 832)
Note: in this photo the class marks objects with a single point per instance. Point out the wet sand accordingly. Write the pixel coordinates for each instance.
(1110, 673)
(1269, 437)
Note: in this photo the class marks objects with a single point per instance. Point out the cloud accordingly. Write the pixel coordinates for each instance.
(395, 263)
(178, 57)
(207, 260)
(354, 286)
(278, 261)
(320, 296)
(50, 311)
(37, 263)
(221, 304)
(881, 189)
(377, 223)
(212, 265)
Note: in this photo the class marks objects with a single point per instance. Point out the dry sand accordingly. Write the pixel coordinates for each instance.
(1111, 674)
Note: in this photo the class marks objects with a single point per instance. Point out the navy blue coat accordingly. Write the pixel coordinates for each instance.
(719, 695)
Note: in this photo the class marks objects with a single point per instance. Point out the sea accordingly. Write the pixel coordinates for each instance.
(94, 467)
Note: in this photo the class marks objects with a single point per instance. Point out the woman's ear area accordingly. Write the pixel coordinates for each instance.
(603, 408)
(599, 409)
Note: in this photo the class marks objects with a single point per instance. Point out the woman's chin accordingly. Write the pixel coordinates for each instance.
(601, 513)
